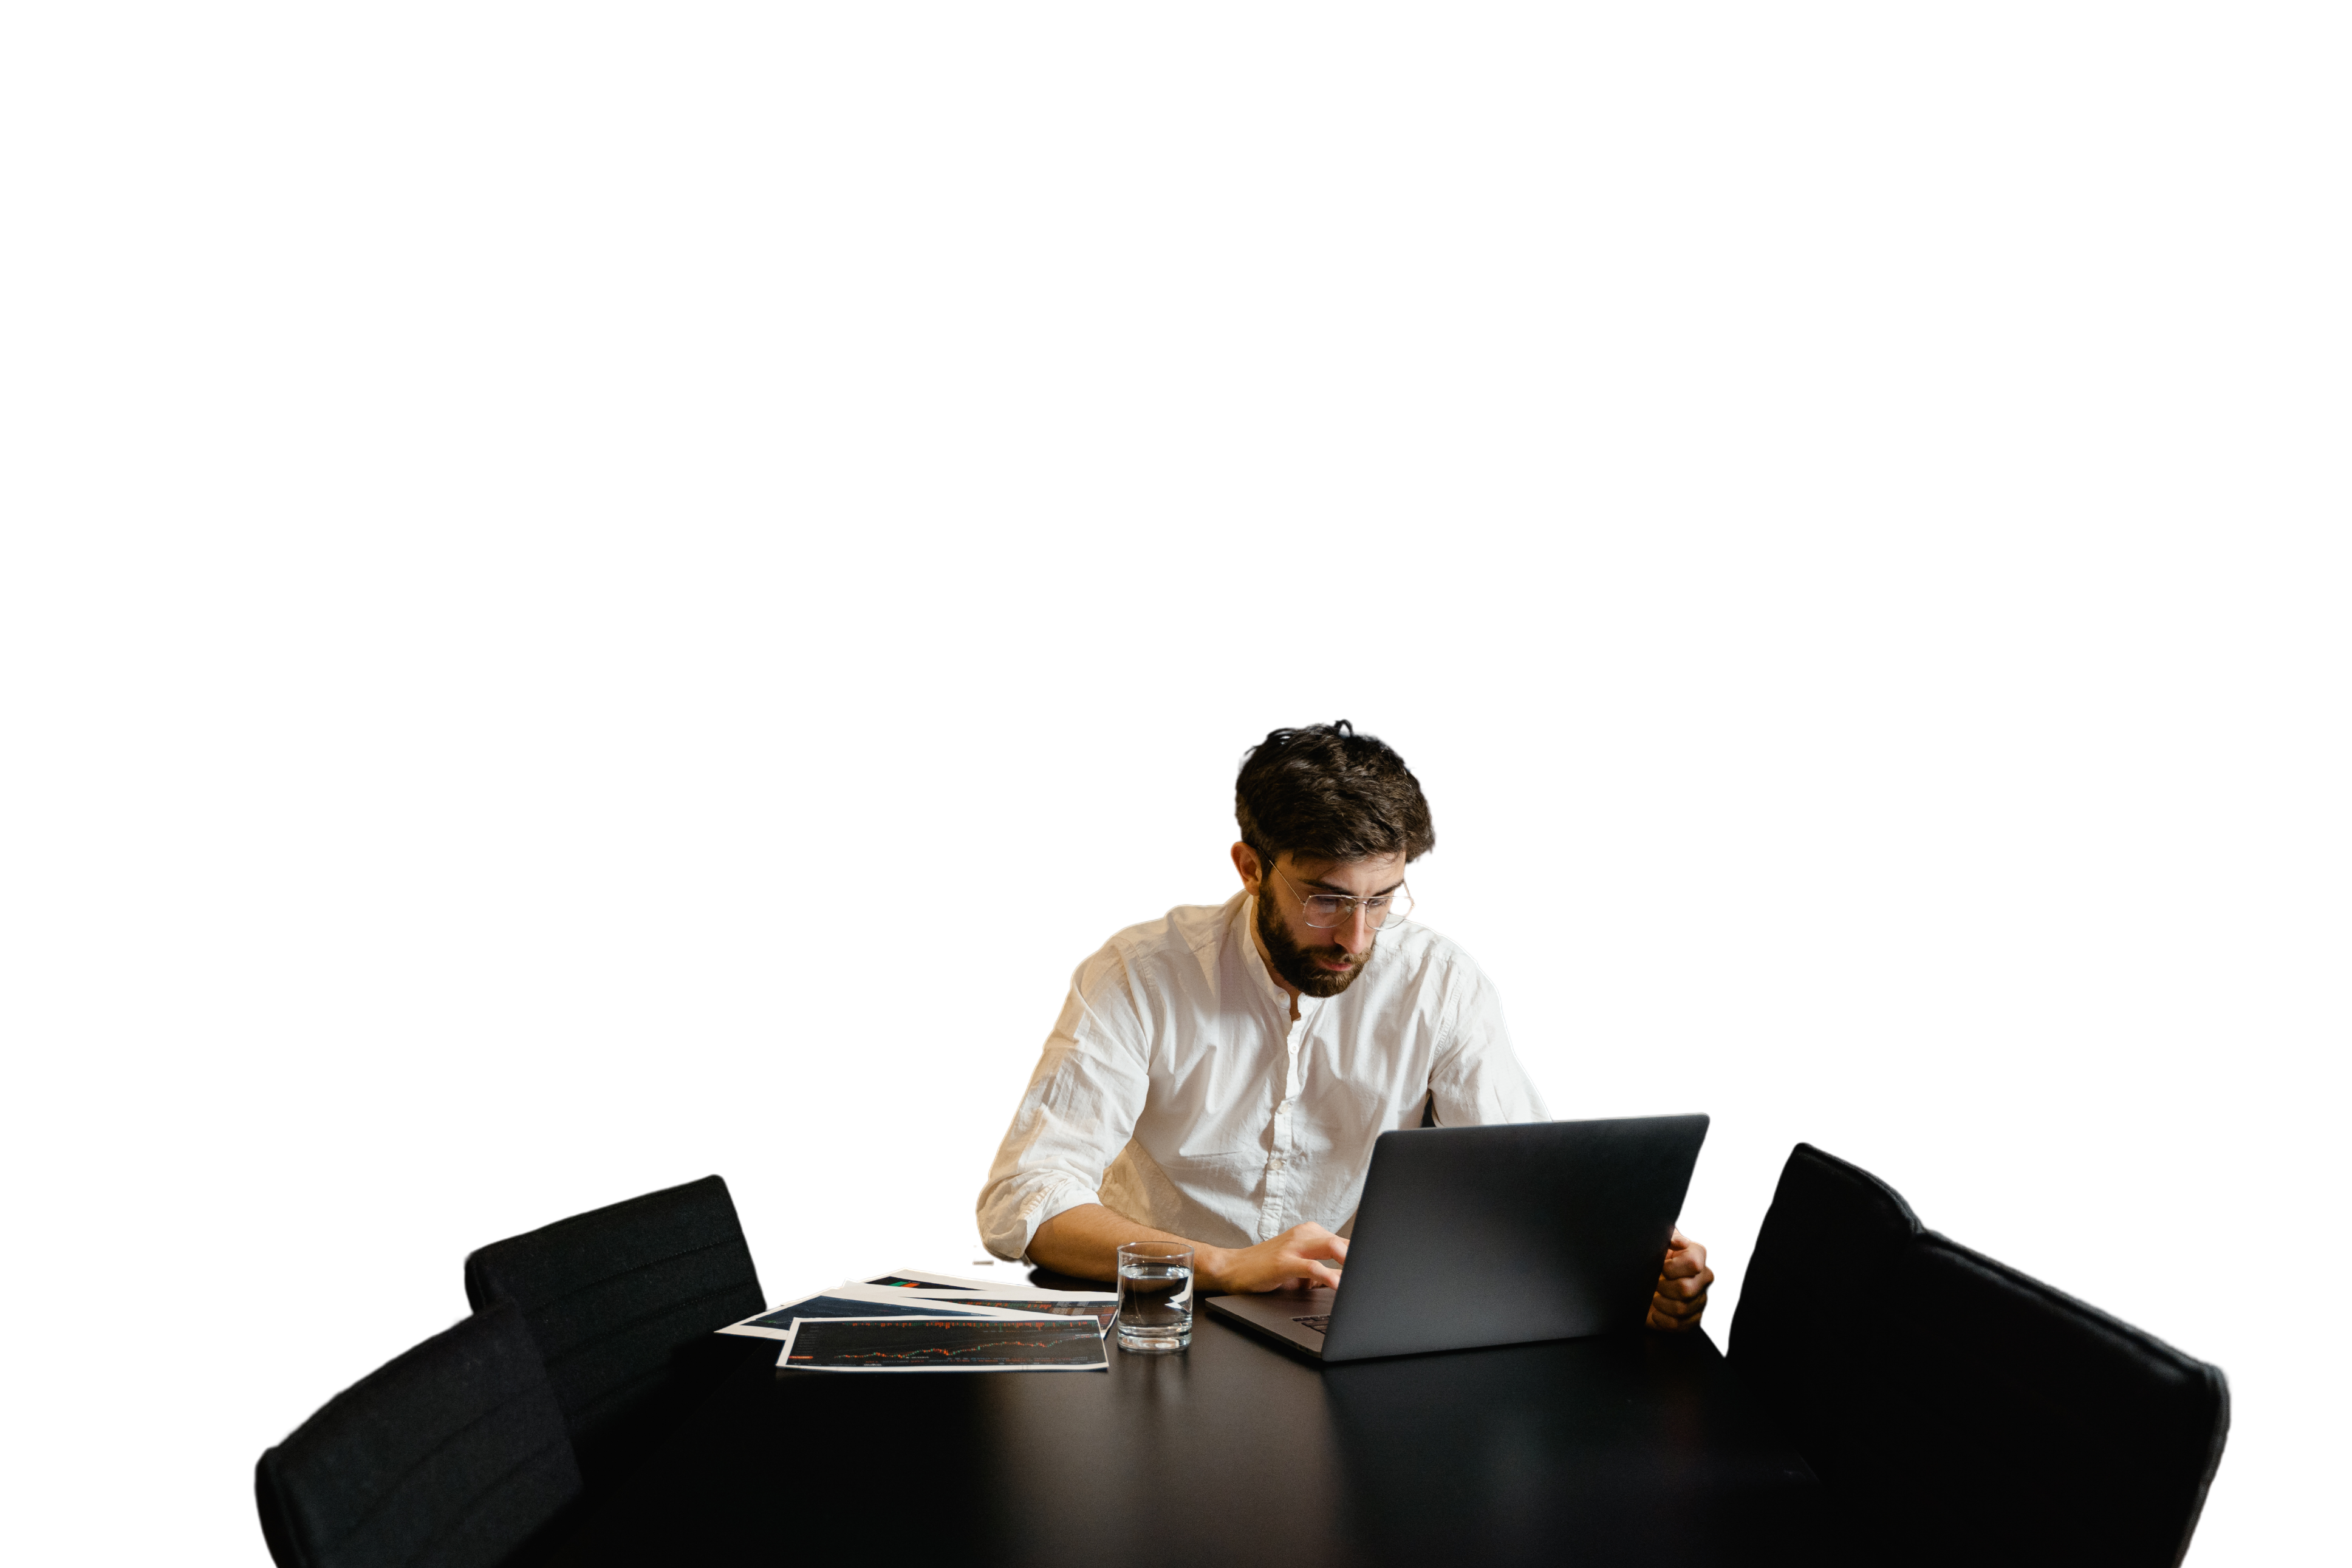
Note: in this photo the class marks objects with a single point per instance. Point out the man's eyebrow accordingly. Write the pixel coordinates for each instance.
(1334, 887)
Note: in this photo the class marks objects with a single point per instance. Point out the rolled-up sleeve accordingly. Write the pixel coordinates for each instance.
(1476, 1078)
(1078, 1112)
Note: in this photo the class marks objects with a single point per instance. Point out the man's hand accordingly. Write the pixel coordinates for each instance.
(1304, 1255)
(1681, 1295)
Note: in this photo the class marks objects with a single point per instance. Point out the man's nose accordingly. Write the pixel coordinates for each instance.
(1355, 931)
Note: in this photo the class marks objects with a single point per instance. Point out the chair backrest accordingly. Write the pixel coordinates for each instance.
(1828, 1239)
(622, 1302)
(1959, 1411)
(2054, 1430)
(454, 1456)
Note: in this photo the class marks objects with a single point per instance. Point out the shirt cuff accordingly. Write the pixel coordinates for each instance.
(1049, 1199)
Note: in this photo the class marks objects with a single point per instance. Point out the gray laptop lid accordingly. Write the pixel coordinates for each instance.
(1471, 1236)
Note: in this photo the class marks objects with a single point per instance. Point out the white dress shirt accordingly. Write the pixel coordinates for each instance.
(1176, 1090)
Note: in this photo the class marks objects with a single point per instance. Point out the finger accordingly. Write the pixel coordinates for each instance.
(1679, 1266)
(1690, 1300)
(1315, 1274)
(1662, 1317)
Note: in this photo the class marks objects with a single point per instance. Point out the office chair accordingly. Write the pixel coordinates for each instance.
(622, 1302)
(1826, 1233)
(453, 1456)
(1967, 1413)
(2057, 1428)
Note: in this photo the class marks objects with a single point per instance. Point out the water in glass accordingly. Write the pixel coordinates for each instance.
(1155, 1302)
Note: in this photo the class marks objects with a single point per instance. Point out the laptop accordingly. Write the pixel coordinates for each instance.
(1474, 1235)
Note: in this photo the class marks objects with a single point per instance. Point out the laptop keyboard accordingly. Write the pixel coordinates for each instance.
(1320, 1324)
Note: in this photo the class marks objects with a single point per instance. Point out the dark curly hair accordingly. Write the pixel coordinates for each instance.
(1328, 793)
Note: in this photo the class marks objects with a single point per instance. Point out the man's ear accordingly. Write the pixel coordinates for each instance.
(1252, 871)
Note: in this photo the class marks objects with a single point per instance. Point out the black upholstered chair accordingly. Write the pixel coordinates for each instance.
(1828, 1230)
(454, 1456)
(1964, 1412)
(622, 1302)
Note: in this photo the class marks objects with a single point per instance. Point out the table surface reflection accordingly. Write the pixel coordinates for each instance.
(1635, 1448)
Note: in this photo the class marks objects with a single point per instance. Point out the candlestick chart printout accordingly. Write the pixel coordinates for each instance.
(777, 1324)
(1102, 1312)
(944, 1344)
(924, 1279)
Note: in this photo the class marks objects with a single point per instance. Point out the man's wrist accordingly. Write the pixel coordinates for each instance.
(1209, 1267)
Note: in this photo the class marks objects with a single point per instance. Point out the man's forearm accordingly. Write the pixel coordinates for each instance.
(1085, 1243)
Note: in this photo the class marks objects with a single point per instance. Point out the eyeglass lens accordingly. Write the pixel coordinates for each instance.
(1324, 909)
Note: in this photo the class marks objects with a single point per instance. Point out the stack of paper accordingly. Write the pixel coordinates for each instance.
(916, 1320)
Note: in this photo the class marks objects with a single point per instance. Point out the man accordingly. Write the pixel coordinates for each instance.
(1218, 1076)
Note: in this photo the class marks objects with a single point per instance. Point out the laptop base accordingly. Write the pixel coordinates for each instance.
(1276, 1313)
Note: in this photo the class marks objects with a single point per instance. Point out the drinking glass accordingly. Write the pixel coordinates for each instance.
(1155, 1296)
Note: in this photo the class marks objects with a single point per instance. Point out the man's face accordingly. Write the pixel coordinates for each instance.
(1318, 961)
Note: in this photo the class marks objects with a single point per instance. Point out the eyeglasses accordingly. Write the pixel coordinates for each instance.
(1325, 910)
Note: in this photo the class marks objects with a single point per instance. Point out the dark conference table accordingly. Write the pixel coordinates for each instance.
(1635, 1448)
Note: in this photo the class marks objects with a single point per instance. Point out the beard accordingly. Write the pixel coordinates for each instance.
(1297, 963)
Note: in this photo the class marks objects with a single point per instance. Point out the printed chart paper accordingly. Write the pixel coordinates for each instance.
(1102, 1310)
(867, 1302)
(923, 1280)
(944, 1344)
(950, 1286)
(1101, 1305)
(1055, 1304)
